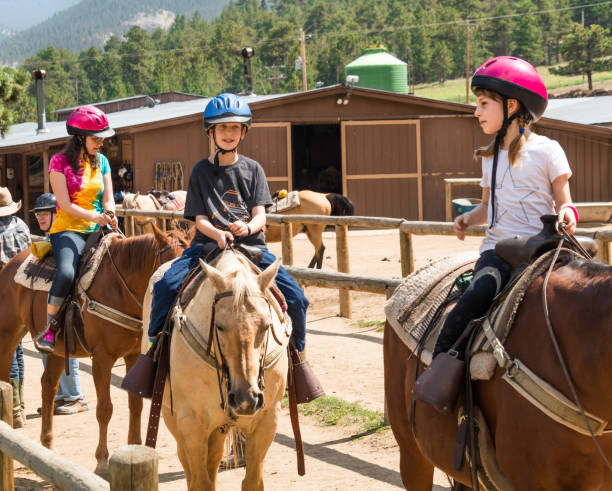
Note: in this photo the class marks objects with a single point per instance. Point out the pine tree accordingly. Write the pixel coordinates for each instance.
(12, 86)
(587, 50)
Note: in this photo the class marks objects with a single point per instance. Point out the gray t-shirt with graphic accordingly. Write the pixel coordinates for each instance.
(225, 194)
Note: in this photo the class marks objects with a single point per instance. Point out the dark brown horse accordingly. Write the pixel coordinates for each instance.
(532, 450)
(313, 203)
(120, 283)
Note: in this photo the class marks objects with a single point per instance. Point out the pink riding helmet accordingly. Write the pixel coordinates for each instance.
(516, 79)
(89, 120)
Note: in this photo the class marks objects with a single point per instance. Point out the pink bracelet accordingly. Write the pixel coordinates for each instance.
(573, 208)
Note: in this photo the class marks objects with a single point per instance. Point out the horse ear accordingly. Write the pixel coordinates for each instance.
(220, 281)
(160, 237)
(267, 275)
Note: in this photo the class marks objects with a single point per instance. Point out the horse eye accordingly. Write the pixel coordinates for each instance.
(218, 327)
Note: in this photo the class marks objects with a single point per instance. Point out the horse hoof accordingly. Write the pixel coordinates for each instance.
(102, 468)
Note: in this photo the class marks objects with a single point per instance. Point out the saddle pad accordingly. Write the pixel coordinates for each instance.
(415, 301)
(175, 204)
(287, 203)
(36, 274)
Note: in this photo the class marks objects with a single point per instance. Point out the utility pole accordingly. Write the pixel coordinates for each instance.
(467, 62)
(582, 17)
(303, 49)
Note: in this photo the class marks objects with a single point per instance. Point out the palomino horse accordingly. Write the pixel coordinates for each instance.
(120, 284)
(313, 203)
(532, 450)
(233, 305)
(148, 202)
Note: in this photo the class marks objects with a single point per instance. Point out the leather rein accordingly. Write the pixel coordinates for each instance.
(553, 337)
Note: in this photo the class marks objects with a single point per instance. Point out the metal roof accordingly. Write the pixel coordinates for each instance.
(584, 110)
(25, 133)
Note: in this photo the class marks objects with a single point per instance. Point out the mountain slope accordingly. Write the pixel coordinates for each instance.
(92, 22)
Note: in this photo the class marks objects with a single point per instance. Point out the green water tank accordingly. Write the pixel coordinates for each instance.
(378, 69)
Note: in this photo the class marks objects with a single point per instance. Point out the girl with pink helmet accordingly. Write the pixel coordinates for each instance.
(524, 176)
(81, 181)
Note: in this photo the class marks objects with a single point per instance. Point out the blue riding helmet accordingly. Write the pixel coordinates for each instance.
(226, 108)
(45, 202)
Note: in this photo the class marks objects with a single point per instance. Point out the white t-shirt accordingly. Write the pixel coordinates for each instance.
(523, 192)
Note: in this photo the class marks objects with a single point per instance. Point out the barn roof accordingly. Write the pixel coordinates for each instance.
(23, 137)
(584, 110)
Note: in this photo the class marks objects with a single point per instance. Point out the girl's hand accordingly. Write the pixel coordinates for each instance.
(461, 223)
(223, 237)
(101, 219)
(239, 228)
(566, 217)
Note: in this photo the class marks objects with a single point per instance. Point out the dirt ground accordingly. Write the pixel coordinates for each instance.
(346, 356)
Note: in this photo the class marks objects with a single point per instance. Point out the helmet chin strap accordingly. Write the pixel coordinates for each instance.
(499, 138)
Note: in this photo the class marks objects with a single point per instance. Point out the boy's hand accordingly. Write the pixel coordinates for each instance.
(223, 237)
(461, 223)
(239, 228)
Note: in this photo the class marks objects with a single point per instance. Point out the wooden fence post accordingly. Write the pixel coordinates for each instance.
(346, 303)
(133, 468)
(287, 243)
(7, 479)
(603, 251)
(129, 226)
(406, 253)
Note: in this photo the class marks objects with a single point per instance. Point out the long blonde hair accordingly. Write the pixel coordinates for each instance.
(524, 121)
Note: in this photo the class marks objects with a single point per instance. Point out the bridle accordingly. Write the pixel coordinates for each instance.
(221, 364)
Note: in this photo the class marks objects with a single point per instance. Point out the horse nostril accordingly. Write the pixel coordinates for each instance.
(260, 401)
(231, 399)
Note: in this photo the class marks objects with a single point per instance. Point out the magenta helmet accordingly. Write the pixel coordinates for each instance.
(515, 79)
(89, 120)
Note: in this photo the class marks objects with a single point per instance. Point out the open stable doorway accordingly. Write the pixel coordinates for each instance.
(317, 157)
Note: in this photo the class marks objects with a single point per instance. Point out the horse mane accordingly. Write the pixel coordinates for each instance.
(245, 282)
(132, 252)
(590, 269)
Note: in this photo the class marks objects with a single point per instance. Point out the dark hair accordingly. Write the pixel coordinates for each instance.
(72, 150)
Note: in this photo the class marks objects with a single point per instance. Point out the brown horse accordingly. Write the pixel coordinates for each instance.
(313, 203)
(120, 283)
(532, 450)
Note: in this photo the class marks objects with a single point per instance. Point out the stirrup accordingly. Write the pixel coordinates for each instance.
(43, 345)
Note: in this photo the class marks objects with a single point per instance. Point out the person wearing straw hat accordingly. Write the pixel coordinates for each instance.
(14, 238)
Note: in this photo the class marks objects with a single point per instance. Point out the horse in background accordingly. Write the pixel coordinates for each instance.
(313, 203)
(532, 450)
(119, 283)
(153, 201)
(229, 337)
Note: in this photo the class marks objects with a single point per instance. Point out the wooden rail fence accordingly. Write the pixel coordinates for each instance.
(342, 280)
(131, 468)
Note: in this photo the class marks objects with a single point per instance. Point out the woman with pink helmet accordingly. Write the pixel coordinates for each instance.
(81, 181)
(524, 176)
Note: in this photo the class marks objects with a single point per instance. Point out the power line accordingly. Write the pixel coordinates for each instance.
(295, 38)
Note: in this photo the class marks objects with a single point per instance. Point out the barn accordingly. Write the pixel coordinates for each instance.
(388, 152)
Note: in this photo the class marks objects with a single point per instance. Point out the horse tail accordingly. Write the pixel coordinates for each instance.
(341, 205)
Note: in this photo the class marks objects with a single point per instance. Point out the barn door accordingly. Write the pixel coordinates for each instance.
(270, 145)
(381, 168)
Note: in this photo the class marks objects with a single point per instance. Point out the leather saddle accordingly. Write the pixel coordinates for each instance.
(519, 251)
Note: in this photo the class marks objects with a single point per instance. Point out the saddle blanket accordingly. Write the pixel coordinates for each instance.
(38, 275)
(415, 302)
(287, 203)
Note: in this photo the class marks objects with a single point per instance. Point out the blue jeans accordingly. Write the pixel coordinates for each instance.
(167, 288)
(67, 249)
(17, 368)
(69, 385)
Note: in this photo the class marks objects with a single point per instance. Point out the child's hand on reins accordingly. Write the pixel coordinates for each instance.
(223, 237)
(239, 228)
(568, 219)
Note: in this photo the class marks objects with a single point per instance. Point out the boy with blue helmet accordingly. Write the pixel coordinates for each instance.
(227, 197)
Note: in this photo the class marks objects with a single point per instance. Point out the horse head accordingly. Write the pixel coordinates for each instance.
(242, 319)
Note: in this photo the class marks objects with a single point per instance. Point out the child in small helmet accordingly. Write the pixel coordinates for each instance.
(524, 176)
(227, 196)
